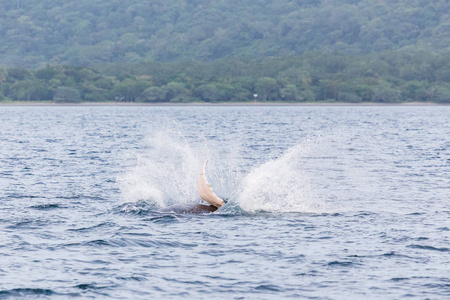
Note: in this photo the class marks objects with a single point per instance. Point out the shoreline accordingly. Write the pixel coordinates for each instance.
(32, 103)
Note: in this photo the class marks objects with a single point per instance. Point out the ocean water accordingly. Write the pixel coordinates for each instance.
(323, 202)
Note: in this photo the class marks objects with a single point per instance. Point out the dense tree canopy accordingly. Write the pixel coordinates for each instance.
(386, 77)
(36, 32)
(225, 50)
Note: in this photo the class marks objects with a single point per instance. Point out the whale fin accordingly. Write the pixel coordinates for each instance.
(205, 190)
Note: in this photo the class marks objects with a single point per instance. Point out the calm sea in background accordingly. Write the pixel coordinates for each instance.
(323, 202)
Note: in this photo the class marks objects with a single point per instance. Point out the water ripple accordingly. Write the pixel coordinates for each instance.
(431, 248)
(49, 206)
(94, 227)
(81, 187)
(128, 242)
(26, 292)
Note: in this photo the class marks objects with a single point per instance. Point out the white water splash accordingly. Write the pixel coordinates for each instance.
(279, 185)
(165, 174)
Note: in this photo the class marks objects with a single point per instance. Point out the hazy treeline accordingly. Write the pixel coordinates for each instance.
(34, 33)
(389, 76)
(225, 50)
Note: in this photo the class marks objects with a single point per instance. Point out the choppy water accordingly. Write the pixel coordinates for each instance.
(324, 202)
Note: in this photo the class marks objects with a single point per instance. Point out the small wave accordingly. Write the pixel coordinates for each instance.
(312, 273)
(47, 206)
(391, 254)
(19, 196)
(365, 214)
(190, 282)
(133, 278)
(399, 279)
(268, 287)
(28, 224)
(97, 290)
(81, 197)
(87, 229)
(136, 208)
(129, 242)
(89, 286)
(416, 214)
(53, 140)
(26, 292)
(96, 243)
(341, 264)
(163, 219)
(431, 248)
(445, 287)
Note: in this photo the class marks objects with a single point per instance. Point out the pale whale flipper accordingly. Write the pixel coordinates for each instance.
(205, 190)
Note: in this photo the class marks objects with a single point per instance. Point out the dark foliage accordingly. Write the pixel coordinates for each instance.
(36, 32)
(225, 50)
(386, 77)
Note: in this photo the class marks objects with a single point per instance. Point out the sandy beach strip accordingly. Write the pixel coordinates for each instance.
(50, 103)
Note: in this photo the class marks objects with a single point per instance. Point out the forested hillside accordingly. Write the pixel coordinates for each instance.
(387, 77)
(225, 50)
(82, 32)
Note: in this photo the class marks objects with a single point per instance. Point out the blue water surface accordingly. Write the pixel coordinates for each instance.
(323, 202)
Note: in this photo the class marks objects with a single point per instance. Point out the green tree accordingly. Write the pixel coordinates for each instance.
(215, 92)
(97, 94)
(88, 32)
(441, 94)
(3, 74)
(415, 91)
(290, 93)
(46, 73)
(20, 90)
(17, 74)
(39, 91)
(67, 94)
(176, 92)
(129, 89)
(349, 97)
(385, 93)
(328, 89)
(307, 96)
(154, 94)
(266, 87)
